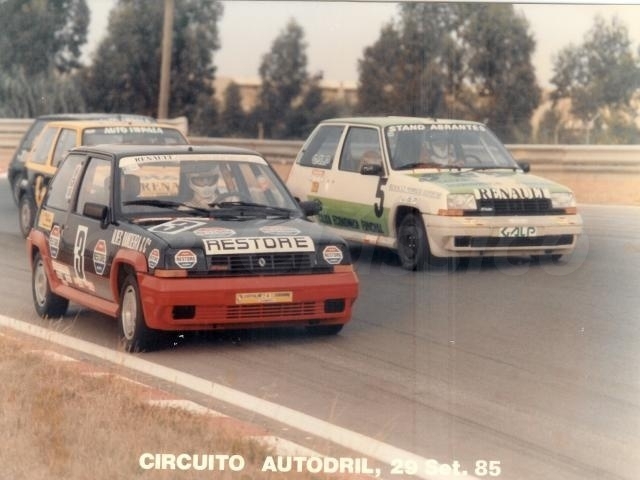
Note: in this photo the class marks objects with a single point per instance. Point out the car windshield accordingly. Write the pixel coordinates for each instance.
(208, 184)
(133, 134)
(447, 146)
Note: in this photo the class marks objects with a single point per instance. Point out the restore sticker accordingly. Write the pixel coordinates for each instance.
(332, 255)
(185, 259)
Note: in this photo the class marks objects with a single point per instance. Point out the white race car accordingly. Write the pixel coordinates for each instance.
(432, 190)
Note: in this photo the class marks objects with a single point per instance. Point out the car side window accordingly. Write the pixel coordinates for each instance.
(321, 149)
(66, 141)
(95, 185)
(42, 145)
(361, 147)
(61, 188)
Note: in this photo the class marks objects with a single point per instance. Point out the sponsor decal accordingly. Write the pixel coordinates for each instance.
(279, 230)
(214, 232)
(45, 220)
(185, 259)
(332, 255)
(520, 232)
(54, 241)
(456, 127)
(154, 258)
(119, 130)
(274, 244)
(129, 240)
(100, 256)
(263, 297)
(505, 193)
(177, 225)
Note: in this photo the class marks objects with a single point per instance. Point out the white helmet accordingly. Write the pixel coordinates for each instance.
(205, 184)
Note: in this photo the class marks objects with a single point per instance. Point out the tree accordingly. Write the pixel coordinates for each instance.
(233, 118)
(125, 73)
(42, 36)
(453, 59)
(601, 74)
(283, 72)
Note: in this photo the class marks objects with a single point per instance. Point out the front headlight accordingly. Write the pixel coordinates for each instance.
(461, 201)
(563, 200)
(458, 203)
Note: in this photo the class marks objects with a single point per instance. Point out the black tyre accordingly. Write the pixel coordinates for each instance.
(413, 248)
(136, 335)
(26, 214)
(16, 189)
(47, 303)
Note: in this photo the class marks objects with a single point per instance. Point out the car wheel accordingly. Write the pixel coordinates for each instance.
(26, 214)
(324, 329)
(47, 303)
(413, 248)
(133, 328)
(16, 189)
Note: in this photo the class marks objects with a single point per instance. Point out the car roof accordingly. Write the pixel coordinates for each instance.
(128, 150)
(95, 116)
(386, 121)
(80, 124)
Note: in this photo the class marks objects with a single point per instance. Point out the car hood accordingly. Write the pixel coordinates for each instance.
(196, 232)
(495, 183)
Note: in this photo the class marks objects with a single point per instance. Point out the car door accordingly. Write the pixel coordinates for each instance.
(86, 241)
(356, 195)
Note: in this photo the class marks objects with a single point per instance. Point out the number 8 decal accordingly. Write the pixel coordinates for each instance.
(78, 251)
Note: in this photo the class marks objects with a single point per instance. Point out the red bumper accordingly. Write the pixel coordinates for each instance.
(214, 303)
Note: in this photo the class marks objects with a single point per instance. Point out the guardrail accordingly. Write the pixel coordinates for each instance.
(618, 159)
(597, 173)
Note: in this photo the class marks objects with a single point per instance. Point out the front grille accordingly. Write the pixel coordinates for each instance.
(265, 264)
(514, 206)
(512, 242)
(262, 311)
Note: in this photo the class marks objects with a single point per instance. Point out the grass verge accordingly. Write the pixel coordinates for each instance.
(57, 422)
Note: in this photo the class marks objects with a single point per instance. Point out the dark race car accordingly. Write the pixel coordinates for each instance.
(178, 238)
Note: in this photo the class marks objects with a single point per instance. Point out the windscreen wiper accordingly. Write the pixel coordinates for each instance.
(253, 207)
(167, 204)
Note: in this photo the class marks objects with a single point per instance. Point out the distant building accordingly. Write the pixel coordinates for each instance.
(344, 92)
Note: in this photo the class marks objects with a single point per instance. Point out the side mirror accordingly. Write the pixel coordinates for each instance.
(311, 207)
(98, 212)
(371, 169)
(526, 168)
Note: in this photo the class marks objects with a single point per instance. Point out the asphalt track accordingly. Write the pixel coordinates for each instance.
(533, 365)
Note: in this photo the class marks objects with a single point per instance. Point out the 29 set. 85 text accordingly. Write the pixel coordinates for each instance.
(482, 468)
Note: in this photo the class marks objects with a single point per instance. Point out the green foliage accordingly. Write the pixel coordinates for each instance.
(39, 94)
(601, 73)
(40, 36)
(125, 73)
(453, 59)
(284, 73)
(233, 120)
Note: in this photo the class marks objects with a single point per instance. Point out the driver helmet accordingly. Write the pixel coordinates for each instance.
(204, 183)
(440, 147)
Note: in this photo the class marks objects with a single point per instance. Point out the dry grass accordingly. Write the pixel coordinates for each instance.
(56, 423)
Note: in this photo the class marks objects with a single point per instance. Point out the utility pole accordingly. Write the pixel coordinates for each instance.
(165, 66)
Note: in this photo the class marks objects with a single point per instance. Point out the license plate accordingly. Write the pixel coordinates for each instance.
(518, 232)
(263, 297)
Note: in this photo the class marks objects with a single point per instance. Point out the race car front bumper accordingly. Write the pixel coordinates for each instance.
(453, 236)
(248, 302)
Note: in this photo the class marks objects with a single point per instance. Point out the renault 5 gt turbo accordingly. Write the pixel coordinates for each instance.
(435, 191)
(179, 238)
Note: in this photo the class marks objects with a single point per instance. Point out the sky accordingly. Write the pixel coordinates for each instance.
(338, 32)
